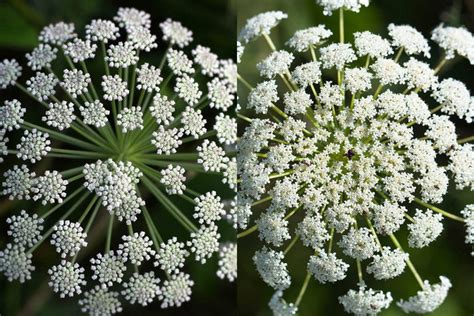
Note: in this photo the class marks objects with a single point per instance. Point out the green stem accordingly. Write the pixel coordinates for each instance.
(409, 263)
(109, 233)
(303, 288)
(438, 210)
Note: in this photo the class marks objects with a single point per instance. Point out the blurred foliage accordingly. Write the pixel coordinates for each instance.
(449, 255)
(213, 24)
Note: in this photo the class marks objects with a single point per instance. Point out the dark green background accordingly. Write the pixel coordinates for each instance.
(213, 24)
(448, 255)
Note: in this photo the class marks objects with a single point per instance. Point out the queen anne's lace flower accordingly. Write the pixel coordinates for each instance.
(34, 145)
(67, 278)
(15, 263)
(60, 115)
(351, 154)
(280, 307)
(25, 229)
(68, 238)
(100, 302)
(101, 127)
(171, 256)
(176, 291)
(80, 50)
(205, 242)
(10, 70)
(454, 41)
(428, 299)
(365, 301)
(94, 113)
(136, 248)
(175, 33)
(11, 115)
(141, 288)
(41, 57)
(107, 268)
(50, 187)
(228, 262)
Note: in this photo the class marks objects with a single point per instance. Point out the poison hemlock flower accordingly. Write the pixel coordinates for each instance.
(347, 155)
(123, 136)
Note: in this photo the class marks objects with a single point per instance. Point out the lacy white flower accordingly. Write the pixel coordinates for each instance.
(121, 136)
(280, 307)
(351, 160)
(428, 299)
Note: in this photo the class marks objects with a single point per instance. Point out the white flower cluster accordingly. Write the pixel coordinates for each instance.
(106, 126)
(350, 152)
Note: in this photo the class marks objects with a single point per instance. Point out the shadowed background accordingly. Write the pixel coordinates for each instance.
(448, 255)
(213, 24)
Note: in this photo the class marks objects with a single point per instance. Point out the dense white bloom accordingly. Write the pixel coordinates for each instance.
(10, 70)
(11, 115)
(442, 131)
(142, 39)
(100, 302)
(107, 268)
(141, 288)
(307, 74)
(351, 5)
(121, 55)
(271, 268)
(176, 291)
(365, 301)
(94, 113)
(337, 55)
(80, 50)
(278, 63)
(67, 279)
(60, 115)
(262, 96)
(101, 31)
(167, 141)
(136, 248)
(388, 217)
(115, 89)
(312, 231)
(149, 78)
(281, 308)
(454, 41)
(461, 165)
(454, 96)
(41, 57)
(468, 214)
(75, 82)
(130, 119)
(296, 102)
(179, 62)
(207, 60)
(357, 79)
(204, 243)
(302, 40)
(68, 238)
(428, 299)
(58, 33)
(162, 109)
(173, 178)
(211, 156)
(33, 146)
(273, 228)
(326, 267)
(42, 85)
(408, 38)
(426, 228)
(388, 71)
(18, 183)
(208, 208)
(15, 263)
(419, 75)
(372, 45)
(25, 229)
(131, 18)
(226, 128)
(260, 24)
(359, 244)
(193, 122)
(175, 33)
(227, 262)
(220, 95)
(171, 256)
(50, 187)
(389, 264)
(188, 89)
